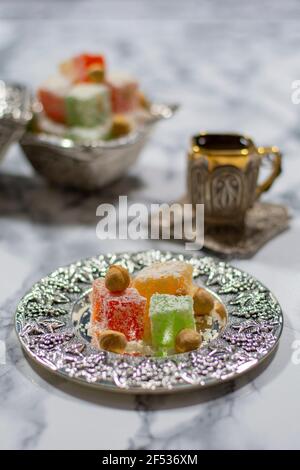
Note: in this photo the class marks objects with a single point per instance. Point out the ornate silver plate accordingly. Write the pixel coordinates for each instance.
(48, 331)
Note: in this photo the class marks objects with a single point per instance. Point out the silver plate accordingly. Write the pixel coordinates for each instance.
(45, 327)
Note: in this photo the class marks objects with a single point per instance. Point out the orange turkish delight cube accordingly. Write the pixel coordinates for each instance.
(171, 277)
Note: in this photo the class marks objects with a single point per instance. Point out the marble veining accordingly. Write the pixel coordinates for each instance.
(231, 71)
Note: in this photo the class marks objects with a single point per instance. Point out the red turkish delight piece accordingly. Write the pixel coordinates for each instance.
(123, 311)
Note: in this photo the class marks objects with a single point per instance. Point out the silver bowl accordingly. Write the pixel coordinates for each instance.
(15, 113)
(89, 166)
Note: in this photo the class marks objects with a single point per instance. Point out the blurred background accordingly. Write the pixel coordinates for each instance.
(229, 65)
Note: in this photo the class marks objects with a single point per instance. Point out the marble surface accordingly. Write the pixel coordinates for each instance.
(232, 70)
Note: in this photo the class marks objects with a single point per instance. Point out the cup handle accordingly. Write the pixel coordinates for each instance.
(276, 168)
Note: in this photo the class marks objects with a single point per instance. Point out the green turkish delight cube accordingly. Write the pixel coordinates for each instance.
(169, 314)
(88, 105)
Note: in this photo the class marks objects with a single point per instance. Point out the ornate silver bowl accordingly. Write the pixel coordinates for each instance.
(64, 162)
(15, 113)
(89, 166)
(48, 327)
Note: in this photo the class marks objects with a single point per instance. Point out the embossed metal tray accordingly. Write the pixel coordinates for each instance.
(48, 329)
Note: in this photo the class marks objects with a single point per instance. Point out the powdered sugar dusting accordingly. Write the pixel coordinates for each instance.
(175, 269)
(166, 304)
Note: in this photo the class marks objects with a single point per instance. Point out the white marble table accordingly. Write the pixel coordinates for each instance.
(232, 69)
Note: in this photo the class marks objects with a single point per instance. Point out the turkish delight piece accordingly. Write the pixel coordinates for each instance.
(124, 92)
(171, 277)
(84, 68)
(99, 292)
(49, 126)
(88, 133)
(52, 96)
(118, 311)
(169, 314)
(88, 105)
